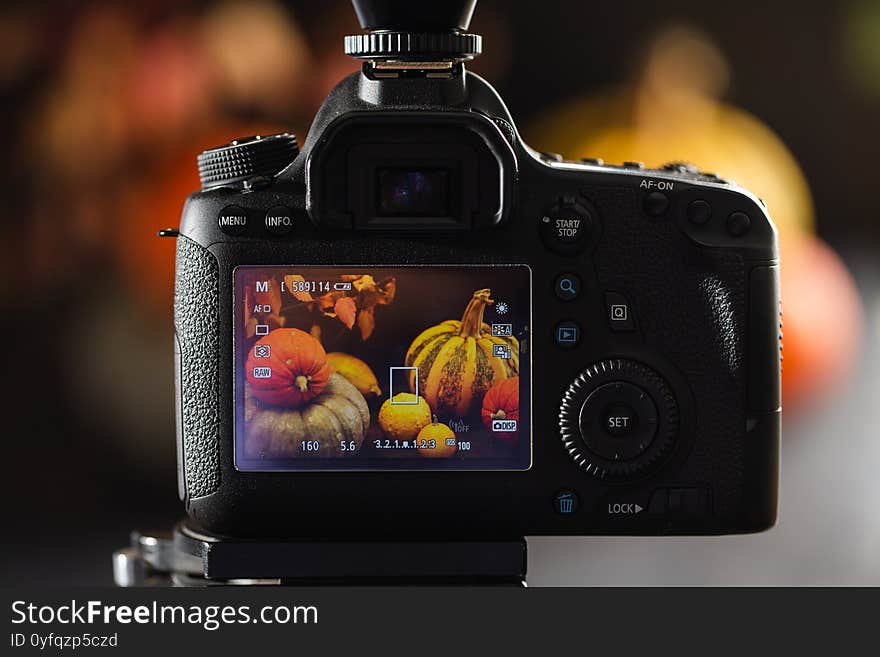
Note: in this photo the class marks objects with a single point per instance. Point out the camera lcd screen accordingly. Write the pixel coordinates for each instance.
(382, 368)
(413, 193)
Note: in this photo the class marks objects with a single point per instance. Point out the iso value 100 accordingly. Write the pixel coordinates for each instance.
(424, 443)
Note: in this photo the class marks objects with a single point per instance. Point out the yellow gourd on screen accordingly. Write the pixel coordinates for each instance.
(455, 360)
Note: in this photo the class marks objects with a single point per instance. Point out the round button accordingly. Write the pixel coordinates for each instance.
(699, 212)
(566, 228)
(567, 287)
(232, 220)
(738, 224)
(567, 225)
(279, 220)
(619, 419)
(656, 204)
(567, 335)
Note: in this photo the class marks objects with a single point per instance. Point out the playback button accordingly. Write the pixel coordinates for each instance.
(567, 335)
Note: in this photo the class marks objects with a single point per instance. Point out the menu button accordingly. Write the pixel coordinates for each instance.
(232, 220)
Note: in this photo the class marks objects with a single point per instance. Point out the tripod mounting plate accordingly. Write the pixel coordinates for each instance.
(189, 557)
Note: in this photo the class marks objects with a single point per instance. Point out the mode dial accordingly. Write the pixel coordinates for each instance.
(246, 158)
(617, 419)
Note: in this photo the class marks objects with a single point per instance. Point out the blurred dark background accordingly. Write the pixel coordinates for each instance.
(105, 105)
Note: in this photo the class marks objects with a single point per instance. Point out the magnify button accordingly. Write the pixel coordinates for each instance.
(568, 286)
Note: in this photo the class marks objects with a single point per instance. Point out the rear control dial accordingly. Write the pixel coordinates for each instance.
(617, 419)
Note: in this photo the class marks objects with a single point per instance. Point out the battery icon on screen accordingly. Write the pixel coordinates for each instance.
(342, 287)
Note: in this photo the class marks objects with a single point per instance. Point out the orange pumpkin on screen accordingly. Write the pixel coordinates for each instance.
(502, 403)
(287, 368)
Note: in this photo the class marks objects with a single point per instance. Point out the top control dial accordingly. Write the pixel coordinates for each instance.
(617, 419)
(247, 158)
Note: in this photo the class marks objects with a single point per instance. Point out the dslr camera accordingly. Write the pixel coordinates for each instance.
(416, 327)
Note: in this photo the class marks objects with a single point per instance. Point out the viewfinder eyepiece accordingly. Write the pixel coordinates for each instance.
(414, 16)
(403, 30)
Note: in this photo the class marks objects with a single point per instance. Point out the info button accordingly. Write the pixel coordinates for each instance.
(279, 221)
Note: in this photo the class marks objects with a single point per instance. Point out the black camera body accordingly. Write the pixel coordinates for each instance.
(638, 369)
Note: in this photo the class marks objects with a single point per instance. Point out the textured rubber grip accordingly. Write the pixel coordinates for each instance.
(196, 305)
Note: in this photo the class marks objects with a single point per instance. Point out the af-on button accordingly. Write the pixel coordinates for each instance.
(655, 204)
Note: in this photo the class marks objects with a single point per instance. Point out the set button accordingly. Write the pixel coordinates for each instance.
(618, 421)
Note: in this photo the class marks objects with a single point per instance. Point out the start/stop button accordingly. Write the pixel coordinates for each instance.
(566, 227)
